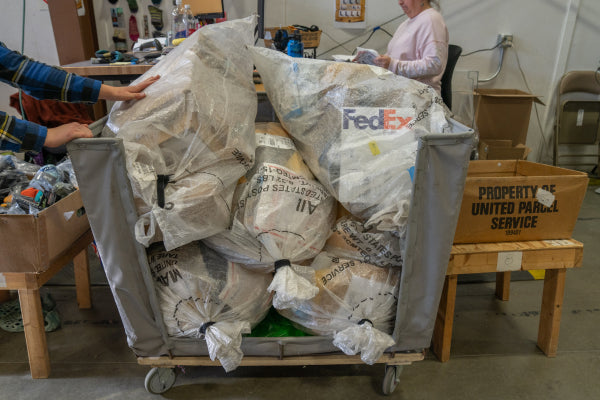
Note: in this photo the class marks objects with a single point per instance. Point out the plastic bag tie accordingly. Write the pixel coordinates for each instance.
(282, 263)
(362, 321)
(161, 183)
(204, 327)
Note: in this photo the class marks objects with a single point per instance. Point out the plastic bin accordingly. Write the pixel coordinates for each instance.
(440, 172)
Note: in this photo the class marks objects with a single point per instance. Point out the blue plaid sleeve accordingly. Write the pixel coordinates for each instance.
(45, 82)
(18, 135)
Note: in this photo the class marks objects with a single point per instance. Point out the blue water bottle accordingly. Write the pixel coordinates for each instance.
(295, 46)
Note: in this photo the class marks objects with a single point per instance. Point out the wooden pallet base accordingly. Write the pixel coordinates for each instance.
(334, 359)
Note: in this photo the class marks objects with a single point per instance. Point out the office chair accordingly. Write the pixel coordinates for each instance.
(577, 124)
(454, 52)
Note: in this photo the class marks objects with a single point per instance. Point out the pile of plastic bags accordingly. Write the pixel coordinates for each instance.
(308, 215)
(27, 188)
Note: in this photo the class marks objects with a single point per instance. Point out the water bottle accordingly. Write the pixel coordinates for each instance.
(178, 25)
(190, 20)
(295, 46)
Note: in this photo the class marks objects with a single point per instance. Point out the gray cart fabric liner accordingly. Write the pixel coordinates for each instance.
(439, 179)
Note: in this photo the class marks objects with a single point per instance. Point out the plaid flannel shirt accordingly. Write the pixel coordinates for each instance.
(42, 82)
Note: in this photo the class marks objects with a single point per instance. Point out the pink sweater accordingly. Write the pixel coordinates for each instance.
(419, 48)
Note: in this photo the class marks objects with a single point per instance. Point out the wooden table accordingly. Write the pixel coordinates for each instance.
(28, 285)
(107, 72)
(553, 256)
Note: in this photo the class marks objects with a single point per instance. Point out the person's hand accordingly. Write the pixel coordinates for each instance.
(60, 135)
(124, 93)
(382, 61)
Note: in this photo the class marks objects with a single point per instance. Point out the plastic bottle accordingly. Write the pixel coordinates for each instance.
(295, 47)
(178, 25)
(190, 20)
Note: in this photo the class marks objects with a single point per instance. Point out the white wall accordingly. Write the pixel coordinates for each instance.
(550, 38)
(39, 38)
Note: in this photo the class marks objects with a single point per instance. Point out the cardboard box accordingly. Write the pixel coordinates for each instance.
(516, 200)
(503, 114)
(502, 150)
(310, 39)
(29, 242)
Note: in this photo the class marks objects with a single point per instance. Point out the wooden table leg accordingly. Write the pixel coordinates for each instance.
(552, 300)
(35, 335)
(442, 332)
(81, 268)
(502, 285)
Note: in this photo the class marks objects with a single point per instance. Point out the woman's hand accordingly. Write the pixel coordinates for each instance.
(60, 135)
(124, 93)
(382, 61)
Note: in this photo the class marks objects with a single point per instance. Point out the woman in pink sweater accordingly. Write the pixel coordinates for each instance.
(419, 48)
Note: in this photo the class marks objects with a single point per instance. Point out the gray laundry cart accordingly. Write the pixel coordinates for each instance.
(439, 179)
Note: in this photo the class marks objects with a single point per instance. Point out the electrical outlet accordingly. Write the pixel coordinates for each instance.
(505, 40)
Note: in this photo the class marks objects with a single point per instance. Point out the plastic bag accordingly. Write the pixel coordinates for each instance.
(14, 172)
(356, 127)
(350, 239)
(282, 215)
(192, 137)
(356, 305)
(202, 295)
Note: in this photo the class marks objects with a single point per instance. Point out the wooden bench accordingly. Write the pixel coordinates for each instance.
(28, 285)
(553, 256)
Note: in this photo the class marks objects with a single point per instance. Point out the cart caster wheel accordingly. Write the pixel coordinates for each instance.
(159, 380)
(391, 378)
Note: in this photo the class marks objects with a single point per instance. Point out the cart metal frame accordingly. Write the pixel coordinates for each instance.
(440, 173)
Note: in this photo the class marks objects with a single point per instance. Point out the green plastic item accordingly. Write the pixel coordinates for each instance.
(275, 325)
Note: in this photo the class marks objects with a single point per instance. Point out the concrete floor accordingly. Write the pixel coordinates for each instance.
(494, 353)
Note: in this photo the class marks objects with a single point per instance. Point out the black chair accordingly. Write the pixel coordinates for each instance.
(454, 52)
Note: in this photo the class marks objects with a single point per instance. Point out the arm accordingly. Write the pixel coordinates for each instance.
(431, 63)
(43, 81)
(46, 82)
(18, 135)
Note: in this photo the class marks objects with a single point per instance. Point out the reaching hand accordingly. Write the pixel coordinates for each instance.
(124, 93)
(65, 133)
(383, 61)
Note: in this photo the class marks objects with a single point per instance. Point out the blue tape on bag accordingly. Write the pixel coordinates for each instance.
(411, 172)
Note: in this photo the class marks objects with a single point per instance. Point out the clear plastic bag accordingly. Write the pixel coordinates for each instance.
(193, 133)
(356, 127)
(204, 296)
(350, 239)
(356, 305)
(281, 213)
